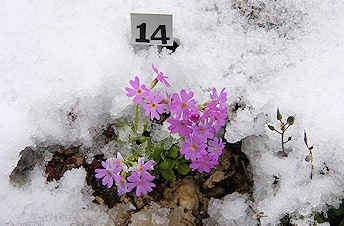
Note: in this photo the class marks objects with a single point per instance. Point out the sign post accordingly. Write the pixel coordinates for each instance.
(151, 29)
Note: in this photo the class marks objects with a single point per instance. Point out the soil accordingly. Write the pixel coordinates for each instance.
(186, 199)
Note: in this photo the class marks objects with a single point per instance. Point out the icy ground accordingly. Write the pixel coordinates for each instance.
(62, 56)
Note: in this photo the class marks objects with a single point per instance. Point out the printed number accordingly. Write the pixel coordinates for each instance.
(142, 28)
(161, 28)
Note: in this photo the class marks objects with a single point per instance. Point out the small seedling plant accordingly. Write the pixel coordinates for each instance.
(283, 128)
(196, 126)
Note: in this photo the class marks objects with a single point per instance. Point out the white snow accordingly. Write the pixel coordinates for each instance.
(58, 57)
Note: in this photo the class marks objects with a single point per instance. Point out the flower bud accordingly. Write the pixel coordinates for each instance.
(153, 84)
(271, 127)
(291, 120)
(279, 116)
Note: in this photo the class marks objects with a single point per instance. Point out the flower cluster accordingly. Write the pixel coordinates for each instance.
(199, 124)
(139, 178)
(196, 124)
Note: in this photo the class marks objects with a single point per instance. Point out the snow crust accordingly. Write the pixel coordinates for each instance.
(62, 57)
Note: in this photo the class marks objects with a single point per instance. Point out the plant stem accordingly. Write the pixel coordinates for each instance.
(283, 131)
(137, 117)
(283, 144)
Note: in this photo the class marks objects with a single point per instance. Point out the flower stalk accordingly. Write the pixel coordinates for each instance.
(283, 128)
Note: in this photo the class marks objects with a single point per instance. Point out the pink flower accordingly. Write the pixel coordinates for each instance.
(222, 99)
(194, 116)
(211, 111)
(204, 162)
(183, 104)
(180, 126)
(220, 119)
(108, 173)
(167, 101)
(216, 146)
(138, 91)
(203, 131)
(153, 105)
(161, 77)
(190, 148)
(141, 183)
(142, 167)
(121, 183)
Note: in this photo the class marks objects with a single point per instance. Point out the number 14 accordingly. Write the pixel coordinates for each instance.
(161, 28)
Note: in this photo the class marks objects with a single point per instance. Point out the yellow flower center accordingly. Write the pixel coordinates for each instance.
(139, 91)
(141, 169)
(153, 105)
(193, 147)
(140, 182)
(182, 123)
(203, 163)
(183, 105)
(121, 181)
(217, 148)
(201, 129)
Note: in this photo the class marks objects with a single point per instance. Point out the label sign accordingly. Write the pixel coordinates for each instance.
(151, 29)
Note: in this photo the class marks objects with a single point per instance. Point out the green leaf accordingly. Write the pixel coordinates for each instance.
(163, 166)
(176, 164)
(183, 168)
(291, 120)
(173, 153)
(168, 175)
(319, 218)
(337, 212)
(156, 153)
(279, 116)
(271, 127)
(168, 161)
(181, 157)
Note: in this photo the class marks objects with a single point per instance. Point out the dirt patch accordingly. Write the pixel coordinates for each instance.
(187, 197)
(182, 202)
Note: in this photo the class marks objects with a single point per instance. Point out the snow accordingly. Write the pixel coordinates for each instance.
(61, 57)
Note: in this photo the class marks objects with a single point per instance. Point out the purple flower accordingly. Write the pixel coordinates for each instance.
(194, 116)
(121, 183)
(180, 126)
(216, 146)
(190, 148)
(153, 105)
(220, 119)
(108, 173)
(141, 183)
(119, 161)
(203, 131)
(161, 77)
(138, 91)
(183, 104)
(142, 167)
(211, 111)
(167, 101)
(204, 162)
(222, 99)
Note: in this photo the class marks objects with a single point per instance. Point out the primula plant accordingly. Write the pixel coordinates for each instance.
(196, 125)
